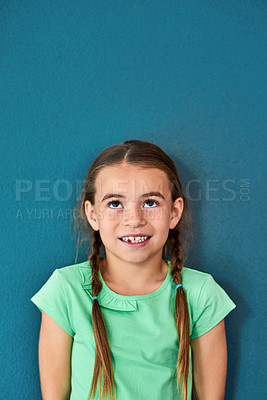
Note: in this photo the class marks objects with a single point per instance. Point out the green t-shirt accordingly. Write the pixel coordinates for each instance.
(141, 329)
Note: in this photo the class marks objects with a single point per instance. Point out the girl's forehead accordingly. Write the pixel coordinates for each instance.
(126, 178)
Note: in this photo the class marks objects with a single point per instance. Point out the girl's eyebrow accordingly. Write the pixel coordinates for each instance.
(110, 195)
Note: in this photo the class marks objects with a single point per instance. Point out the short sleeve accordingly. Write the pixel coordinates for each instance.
(52, 300)
(212, 306)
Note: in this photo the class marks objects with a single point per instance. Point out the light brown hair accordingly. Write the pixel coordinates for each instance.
(146, 155)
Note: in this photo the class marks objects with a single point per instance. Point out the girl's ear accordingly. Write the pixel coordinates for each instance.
(91, 215)
(176, 213)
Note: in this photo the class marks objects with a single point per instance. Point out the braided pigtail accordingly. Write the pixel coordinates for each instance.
(103, 363)
(181, 310)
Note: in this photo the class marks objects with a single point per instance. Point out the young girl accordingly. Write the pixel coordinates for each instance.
(131, 324)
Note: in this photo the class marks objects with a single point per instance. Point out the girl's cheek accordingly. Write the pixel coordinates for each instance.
(113, 215)
(155, 214)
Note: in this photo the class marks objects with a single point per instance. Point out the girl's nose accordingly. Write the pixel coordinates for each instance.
(134, 218)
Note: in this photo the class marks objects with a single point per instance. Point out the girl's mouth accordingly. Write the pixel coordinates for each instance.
(135, 241)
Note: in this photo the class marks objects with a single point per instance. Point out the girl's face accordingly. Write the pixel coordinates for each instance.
(133, 212)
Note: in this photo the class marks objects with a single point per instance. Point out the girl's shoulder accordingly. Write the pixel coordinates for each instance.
(203, 291)
(195, 274)
(200, 287)
(79, 272)
(208, 302)
(70, 277)
(195, 281)
(193, 278)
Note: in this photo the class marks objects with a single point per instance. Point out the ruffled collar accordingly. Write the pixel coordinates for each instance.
(112, 300)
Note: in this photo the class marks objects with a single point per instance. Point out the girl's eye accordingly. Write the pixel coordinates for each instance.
(151, 203)
(114, 204)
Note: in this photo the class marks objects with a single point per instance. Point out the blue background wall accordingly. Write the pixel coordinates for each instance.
(78, 76)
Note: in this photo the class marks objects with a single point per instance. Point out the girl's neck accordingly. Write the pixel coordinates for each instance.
(133, 279)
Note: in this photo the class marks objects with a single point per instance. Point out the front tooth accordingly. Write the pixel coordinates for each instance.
(133, 239)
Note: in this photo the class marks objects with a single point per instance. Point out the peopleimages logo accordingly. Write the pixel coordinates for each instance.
(45, 191)
(216, 190)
